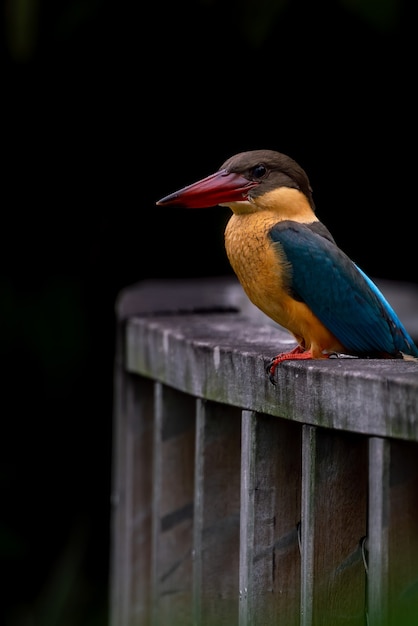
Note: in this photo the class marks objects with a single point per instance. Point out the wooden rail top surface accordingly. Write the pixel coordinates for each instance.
(205, 338)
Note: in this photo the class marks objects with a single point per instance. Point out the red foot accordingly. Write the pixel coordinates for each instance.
(296, 353)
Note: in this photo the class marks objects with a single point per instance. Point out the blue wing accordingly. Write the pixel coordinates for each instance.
(341, 295)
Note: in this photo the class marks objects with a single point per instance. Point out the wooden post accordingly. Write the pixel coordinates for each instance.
(216, 515)
(377, 534)
(132, 502)
(248, 462)
(172, 507)
(270, 512)
(403, 534)
(334, 513)
(307, 529)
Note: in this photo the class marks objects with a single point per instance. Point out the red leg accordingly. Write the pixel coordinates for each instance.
(296, 353)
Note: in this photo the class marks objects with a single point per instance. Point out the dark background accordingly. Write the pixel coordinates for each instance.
(106, 107)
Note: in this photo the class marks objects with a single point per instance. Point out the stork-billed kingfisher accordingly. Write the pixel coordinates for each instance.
(289, 264)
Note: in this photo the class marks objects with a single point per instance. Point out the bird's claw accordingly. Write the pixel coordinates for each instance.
(297, 353)
(270, 370)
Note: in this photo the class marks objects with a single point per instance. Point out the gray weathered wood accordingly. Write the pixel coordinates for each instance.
(222, 357)
(402, 601)
(173, 489)
(246, 558)
(340, 523)
(334, 513)
(307, 526)
(378, 529)
(214, 467)
(270, 513)
(131, 499)
(392, 545)
(216, 517)
(157, 472)
(198, 518)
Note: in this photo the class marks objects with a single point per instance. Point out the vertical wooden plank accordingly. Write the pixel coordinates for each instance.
(139, 483)
(340, 526)
(132, 500)
(157, 473)
(217, 508)
(172, 525)
(270, 513)
(377, 535)
(334, 493)
(198, 516)
(307, 529)
(403, 534)
(247, 513)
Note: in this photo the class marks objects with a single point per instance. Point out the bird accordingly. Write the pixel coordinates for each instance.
(289, 264)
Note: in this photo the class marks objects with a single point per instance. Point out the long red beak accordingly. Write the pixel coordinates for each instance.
(218, 188)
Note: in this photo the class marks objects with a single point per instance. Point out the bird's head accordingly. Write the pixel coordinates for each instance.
(247, 182)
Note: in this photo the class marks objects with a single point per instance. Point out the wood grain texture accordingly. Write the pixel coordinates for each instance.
(270, 513)
(214, 468)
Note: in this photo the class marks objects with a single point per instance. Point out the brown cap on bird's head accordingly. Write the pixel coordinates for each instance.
(258, 165)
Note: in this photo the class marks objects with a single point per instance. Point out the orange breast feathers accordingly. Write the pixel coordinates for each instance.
(265, 275)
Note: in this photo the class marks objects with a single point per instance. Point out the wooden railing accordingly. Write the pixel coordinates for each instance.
(237, 502)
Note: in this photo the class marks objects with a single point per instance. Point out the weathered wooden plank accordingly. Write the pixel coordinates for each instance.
(247, 514)
(378, 531)
(334, 504)
(222, 358)
(340, 522)
(131, 561)
(216, 517)
(403, 534)
(270, 513)
(199, 512)
(307, 525)
(173, 488)
(139, 457)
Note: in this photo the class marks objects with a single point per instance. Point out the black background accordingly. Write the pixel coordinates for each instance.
(107, 107)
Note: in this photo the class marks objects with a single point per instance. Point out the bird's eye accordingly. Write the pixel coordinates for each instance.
(259, 171)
